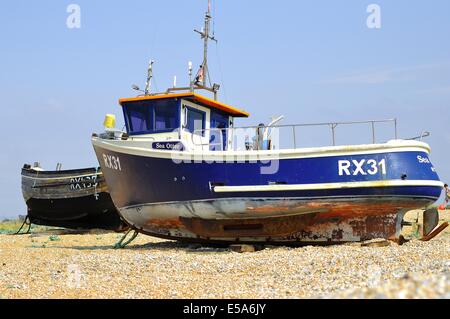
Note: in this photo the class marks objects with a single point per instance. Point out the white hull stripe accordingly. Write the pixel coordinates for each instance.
(61, 178)
(295, 187)
(133, 148)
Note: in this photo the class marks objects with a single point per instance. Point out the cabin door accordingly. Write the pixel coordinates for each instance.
(196, 121)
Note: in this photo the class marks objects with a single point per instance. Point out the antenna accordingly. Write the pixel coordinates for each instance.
(149, 78)
(191, 86)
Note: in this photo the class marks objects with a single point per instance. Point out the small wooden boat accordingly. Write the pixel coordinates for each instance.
(76, 199)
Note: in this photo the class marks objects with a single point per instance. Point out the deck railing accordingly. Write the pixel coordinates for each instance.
(262, 134)
(268, 137)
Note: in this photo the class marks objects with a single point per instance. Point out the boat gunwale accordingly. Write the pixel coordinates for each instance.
(84, 172)
(327, 151)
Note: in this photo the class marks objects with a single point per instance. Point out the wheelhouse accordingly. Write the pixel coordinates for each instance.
(192, 119)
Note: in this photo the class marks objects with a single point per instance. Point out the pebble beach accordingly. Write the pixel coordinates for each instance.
(58, 264)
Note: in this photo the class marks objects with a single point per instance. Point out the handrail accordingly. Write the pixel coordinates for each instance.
(420, 137)
(332, 125)
(325, 123)
(136, 137)
(208, 143)
(197, 137)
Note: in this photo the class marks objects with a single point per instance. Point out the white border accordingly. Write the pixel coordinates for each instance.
(394, 146)
(294, 187)
(62, 178)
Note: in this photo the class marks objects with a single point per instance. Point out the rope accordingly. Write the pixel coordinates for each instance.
(95, 184)
(121, 244)
(27, 221)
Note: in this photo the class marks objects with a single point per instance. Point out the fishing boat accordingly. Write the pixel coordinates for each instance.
(182, 170)
(74, 199)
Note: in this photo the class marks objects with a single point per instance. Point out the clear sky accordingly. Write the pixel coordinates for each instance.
(312, 61)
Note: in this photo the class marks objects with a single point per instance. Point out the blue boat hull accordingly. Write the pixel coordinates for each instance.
(347, 197)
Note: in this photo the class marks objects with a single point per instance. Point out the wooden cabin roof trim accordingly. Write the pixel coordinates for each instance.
(192, 96)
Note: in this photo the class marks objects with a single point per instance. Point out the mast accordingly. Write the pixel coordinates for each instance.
(149, 78)
(205, 79)
(202, 80)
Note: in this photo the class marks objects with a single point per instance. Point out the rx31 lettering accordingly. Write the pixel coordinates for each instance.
(112, 162)
(361, 167)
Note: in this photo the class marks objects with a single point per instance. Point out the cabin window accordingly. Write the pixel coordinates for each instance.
(146, 117)
(195, 121)
(219, 126)
(165, 118)
(139, 119)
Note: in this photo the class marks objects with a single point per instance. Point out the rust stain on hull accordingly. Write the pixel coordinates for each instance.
(310, 222)
(248, 227)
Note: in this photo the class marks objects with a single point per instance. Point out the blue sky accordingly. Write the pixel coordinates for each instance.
(312, 61)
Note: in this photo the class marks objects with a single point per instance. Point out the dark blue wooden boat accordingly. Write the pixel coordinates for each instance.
(75, 199)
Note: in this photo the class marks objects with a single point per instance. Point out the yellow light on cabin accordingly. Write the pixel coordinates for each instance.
(110, 121)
